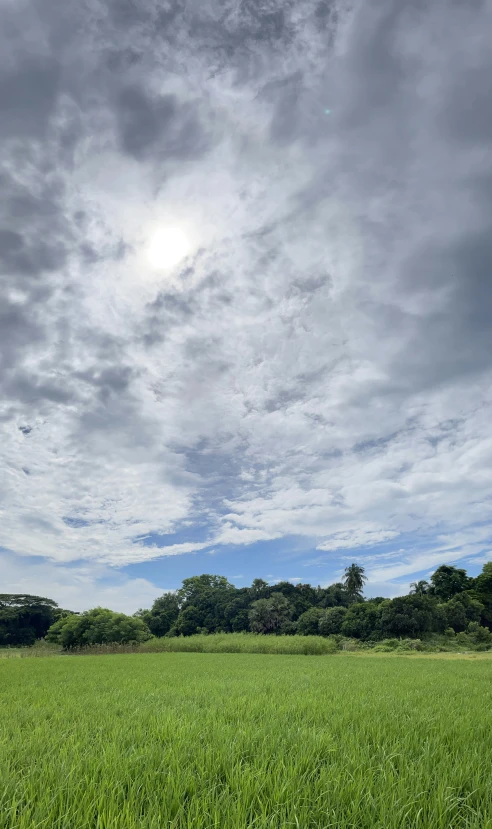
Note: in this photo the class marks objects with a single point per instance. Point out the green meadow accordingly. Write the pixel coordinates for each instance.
(175, 740)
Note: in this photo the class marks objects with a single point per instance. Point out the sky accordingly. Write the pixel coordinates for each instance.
(245, 293)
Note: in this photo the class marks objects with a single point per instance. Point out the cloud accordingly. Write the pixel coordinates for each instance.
(147, 126)
(358, 538)
(319, 365)
(79, 587)
(28, 96)
(387, 589)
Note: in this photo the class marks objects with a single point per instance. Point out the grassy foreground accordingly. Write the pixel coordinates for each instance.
(237, 740)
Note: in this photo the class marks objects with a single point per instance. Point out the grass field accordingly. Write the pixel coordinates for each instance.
(243, 643)
(241, 740)
(254, 643)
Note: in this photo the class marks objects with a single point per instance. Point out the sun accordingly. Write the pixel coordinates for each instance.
(167, 247)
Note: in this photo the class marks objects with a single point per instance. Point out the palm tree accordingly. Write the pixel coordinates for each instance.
(354, 581)
(419, 588)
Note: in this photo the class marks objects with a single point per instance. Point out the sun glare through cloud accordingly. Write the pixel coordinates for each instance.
(167, 247)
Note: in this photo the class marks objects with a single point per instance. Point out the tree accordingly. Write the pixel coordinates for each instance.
(483, 582)
(308, 622)
(409, 616)
(305, 597)
(481, 635)
(332, 620)
(240, 621)
(25, 618)
(196, 588)
(259, 588)
(300, 596)
(210, 595)
(162, 615)
(447, 581)
(419, 588)
(354, 581)
(61, 613)
(482, 590)
(462, 609)
(190, 619)
(236, 611)
(97, 627)
(268, 615)
(335, 595)
(362, 620)
(455, 615)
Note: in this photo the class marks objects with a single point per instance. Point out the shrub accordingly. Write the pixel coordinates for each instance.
(463, 640)
(96, 627)
(347, 644)
(410, 645)
(481, 635)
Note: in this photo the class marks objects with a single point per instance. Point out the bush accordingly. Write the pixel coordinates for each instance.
(390, 645)
(481, 635)
(463, 640)
(96, 627)
(347, 644)
(410, 645)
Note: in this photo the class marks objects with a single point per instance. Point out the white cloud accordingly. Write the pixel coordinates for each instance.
(78, 587)
(357, 538)
(385, 588)
(320, 365)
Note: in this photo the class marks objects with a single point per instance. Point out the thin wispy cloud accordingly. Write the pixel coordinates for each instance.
(309, 355)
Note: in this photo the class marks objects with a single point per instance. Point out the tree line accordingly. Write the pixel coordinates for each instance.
(451, 602)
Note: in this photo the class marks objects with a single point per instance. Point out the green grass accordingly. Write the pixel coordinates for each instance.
(168, 741)
(242, 643)
(40, 648)
(252, 643)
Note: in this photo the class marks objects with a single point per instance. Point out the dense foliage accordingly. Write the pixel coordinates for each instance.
(452, 603)
(97, 627)
(24, 618)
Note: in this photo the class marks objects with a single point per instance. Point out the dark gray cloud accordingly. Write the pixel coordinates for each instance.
(18, 330)
(455, 340)
(158, 126)
(29, 259)
(31, 390)
(28, 97)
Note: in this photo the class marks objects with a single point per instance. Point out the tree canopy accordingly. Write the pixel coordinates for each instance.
(270, 615)
(450, 602)
(25, 618)
(354, 581)
(447, 581)
(97, 627)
